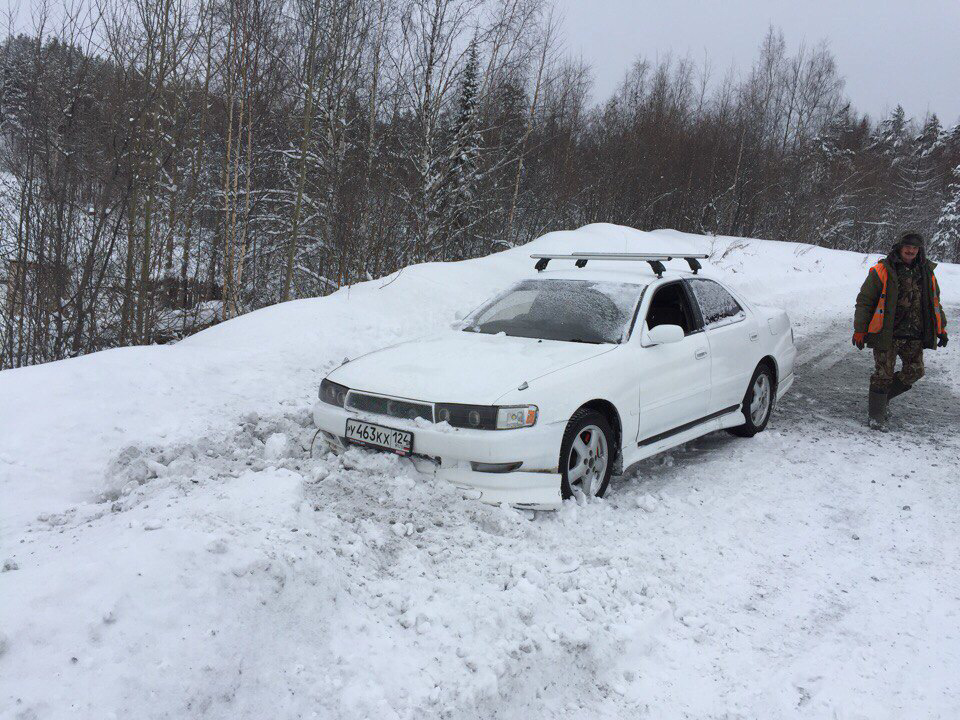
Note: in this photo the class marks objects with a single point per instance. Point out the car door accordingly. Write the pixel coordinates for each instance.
(674, 377)
(733, 335)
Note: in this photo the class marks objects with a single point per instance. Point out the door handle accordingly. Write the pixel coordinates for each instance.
(700, 354)
(754, 336)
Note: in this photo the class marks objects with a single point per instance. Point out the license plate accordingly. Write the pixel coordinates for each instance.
(364, 433)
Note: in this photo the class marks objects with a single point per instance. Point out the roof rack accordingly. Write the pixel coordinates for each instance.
(655, 260)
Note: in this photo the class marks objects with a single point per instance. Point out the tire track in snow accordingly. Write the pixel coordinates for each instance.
(824, 343)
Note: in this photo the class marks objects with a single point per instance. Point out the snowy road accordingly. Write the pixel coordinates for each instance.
(810, 572)
(834, 380)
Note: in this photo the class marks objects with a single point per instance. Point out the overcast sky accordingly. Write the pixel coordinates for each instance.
(889, 51)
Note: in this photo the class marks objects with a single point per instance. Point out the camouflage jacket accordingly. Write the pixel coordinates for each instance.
(908, 314)
(869, 296)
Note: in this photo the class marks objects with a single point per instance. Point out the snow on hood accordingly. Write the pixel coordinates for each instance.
(460, 367)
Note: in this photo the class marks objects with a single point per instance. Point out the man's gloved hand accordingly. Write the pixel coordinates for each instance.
(860, 339)
(942, 340)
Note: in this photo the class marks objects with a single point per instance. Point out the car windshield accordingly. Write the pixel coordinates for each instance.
(569, 310)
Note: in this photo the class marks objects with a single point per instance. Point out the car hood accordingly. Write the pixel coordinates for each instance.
(460, 367)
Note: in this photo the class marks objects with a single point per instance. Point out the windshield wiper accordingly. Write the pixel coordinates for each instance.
(581, 340)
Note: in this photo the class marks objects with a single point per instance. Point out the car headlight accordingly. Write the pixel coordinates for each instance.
(486, 417)
(331, 392)
(516, 417)
(476, 417)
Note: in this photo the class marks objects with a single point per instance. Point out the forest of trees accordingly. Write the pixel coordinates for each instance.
(166, 164)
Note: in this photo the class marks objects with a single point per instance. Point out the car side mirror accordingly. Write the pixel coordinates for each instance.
(664, 334)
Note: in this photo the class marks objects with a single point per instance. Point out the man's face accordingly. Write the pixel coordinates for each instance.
(908, 253)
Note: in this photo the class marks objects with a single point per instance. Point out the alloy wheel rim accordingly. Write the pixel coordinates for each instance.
(760, 405)
(587, 460)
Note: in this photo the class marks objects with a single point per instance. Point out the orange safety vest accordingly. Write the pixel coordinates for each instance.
(937, 310)
(876, 322)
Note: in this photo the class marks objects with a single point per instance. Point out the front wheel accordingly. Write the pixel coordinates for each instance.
(586, 462)
(757, 403)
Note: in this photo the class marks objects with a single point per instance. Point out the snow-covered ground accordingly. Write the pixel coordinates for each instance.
(170, 549)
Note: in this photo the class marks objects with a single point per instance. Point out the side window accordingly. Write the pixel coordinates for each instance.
(717, 305)
(669, 306)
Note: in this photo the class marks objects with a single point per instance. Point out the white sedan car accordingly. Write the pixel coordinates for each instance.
(565, 378)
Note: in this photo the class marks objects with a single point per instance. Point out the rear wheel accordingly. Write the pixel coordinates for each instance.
(586, 461)
(757, 403)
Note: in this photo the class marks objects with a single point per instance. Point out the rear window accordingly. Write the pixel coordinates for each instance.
(717, 305)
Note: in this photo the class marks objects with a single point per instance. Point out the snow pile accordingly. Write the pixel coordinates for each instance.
(171, 549)
(200, 576)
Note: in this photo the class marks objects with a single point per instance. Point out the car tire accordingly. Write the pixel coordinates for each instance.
(763, 389)
(592, 458)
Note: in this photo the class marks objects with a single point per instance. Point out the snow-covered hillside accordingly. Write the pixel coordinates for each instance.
(171, 550)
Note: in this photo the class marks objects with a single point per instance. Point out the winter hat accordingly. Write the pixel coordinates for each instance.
(911, 237)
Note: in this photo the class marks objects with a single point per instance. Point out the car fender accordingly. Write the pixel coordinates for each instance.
(776, 331)
(612, 376)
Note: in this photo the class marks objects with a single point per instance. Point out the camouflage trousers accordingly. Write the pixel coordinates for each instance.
(910, 353)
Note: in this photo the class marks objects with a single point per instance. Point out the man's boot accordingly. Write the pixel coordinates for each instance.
(897, 387)
(878, 411)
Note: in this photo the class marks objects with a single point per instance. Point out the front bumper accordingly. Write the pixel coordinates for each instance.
(536, 484)
(534, 490)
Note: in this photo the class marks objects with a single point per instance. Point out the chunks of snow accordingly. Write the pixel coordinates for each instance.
(647, 503)
(277, 447)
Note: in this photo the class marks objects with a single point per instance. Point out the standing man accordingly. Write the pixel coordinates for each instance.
(898, 313)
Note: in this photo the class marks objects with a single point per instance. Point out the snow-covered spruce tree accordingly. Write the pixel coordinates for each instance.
(891, 134)
(890, 143)
(459, 203)
(833, 167)
(950, 139)
(917, 183)
(945, 243)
